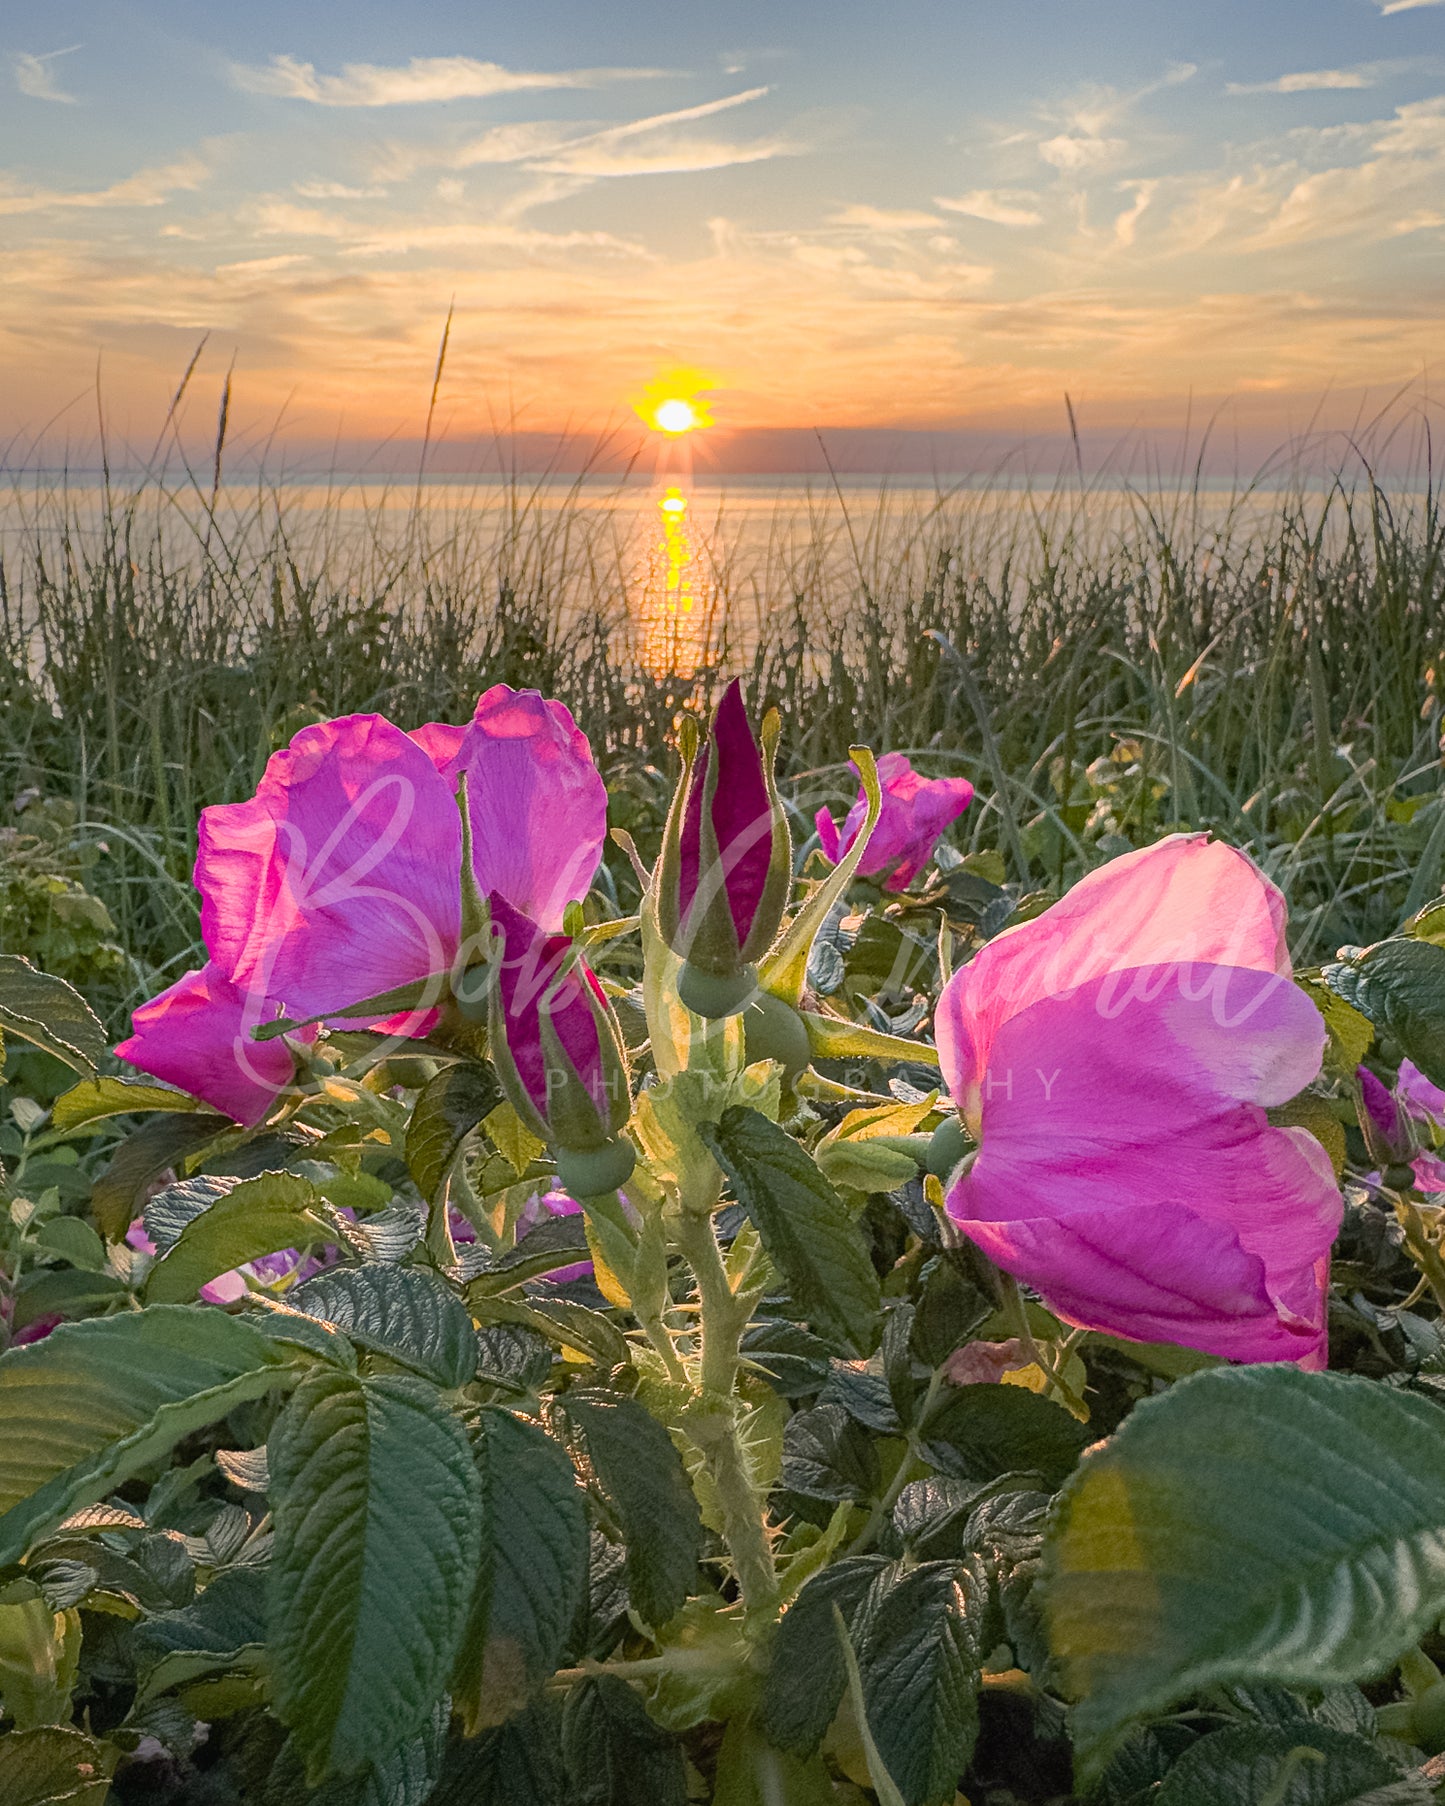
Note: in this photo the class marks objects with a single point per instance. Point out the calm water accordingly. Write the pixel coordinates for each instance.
(691, 565)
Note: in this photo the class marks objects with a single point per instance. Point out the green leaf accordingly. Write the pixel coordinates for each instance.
(51, 1014)
(804, 1225)
(1252, 1522)
(93, 1100)
(615, 1754)
(165, 1141)
(835, 1038)
(74, 1240)
(255, 1217)
(98, 1401)
(1300, 1764)
(39, 1659)
(534, 1569)
(378, 1535)
(807, 1676)
(644, 1481)
(1350, 1032)
(983, 1431)
(400, 1312)
(449, 1107)
(64, 1292)
(1400, 986)
(919, 1663)
(223, 1627)
(55, 1766)
(518, 1764)
(564, 1323)
(828, 1454)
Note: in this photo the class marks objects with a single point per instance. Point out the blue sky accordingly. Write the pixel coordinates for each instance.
(939, 213)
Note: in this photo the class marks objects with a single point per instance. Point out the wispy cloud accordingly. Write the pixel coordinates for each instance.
(35, 77)
(335, 191)
(884, 219)
(1406, 6)
(146, 188)
(1000, 206)
(1308, 81)
(612, 152)
(423, 79)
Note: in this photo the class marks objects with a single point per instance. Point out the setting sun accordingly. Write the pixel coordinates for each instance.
(675, 415)
(673, 402)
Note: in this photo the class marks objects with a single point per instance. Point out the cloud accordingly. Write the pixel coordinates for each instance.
(35, 77)
(1127, 223)
(1308, 81)
(1074, 151)
(335, 191)
(1001, 206)
(1406, 6)
(423, 79)
(609, 153)
(146, 188)
(883, 219)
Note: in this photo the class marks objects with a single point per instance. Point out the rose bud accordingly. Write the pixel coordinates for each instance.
(726, 870)
(558, 1052)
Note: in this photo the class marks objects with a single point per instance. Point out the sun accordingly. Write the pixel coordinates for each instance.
(673, 402)
(675, 415)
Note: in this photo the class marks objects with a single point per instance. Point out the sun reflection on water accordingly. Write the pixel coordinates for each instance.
(672, 616)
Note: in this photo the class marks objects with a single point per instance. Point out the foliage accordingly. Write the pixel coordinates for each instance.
(789, 1497)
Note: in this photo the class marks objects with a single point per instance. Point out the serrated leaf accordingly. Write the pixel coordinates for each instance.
(93, 1100)
(1400, 986)
(258, 1216)
(224, 1625)
(74, 1240)
(534, 1568)
(518, 1764)
(163, 1142)
(400, 1312)
(1151, 1590)
(919, 1662)
(98, 1401)
(55, 1766)
(807, 1675)
(615, 1754)
(982, 1431)
(828, 1454)
(448, 1108)
(644, 1481)
(378, 1535)
(804, 1225)
(567, 1325)
(51, 1014)
(1350, 1032)
(1300, 1764)
(174, 1206)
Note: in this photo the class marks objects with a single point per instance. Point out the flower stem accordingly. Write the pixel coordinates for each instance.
(713, 1424)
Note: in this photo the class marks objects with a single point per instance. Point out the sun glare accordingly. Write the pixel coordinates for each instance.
(675, 415)
(673, 402)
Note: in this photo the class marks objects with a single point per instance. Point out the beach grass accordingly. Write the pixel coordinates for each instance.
(1107, 663)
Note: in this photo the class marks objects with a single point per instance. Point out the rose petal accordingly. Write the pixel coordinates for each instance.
(1186, 901)
(1419, 1096)
(538, 803)
(915, 812)
(339, 879)
(1127, 1169)
(198, 1034)
(528, 969)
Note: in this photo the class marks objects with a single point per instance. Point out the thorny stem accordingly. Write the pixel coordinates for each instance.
(722, 1319)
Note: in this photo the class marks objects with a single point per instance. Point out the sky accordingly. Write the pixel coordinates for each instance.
(932, 218)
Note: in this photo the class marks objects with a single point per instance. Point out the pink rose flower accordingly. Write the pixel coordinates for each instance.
(340, 880)
(1115, 1058)
(915, 812)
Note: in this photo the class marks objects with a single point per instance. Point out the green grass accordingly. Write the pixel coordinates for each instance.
(1274, 670)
